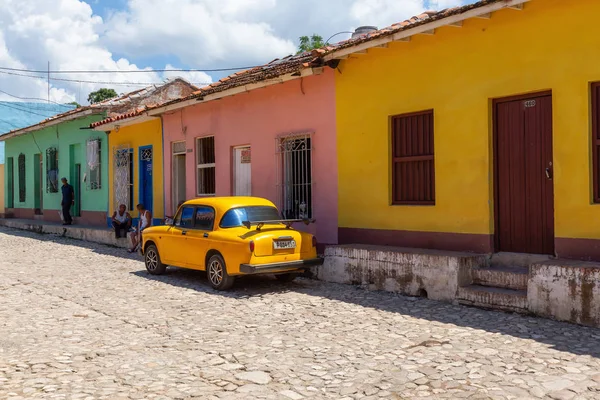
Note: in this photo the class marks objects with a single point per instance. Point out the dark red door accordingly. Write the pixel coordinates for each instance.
(524, 189)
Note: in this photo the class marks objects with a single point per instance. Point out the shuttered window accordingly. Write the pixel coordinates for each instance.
(596, 140)
(413, 172)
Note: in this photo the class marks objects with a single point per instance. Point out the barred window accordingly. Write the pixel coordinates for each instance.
(295, 184)
(205, 172)
(51, 170)
(21, 166)
(93, 164)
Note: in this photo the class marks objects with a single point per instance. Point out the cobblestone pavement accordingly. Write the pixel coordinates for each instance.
(82, 321)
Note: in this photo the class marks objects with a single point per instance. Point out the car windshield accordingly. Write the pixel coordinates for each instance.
(234, 217)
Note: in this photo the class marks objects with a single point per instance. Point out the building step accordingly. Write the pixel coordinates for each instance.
(493, 297)
(504, 259)
(513, 277)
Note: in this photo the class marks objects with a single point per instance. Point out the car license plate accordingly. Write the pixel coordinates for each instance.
(284, 244)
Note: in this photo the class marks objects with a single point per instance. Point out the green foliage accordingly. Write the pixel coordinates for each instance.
(101, 95)
(309, 43)
(74, 103)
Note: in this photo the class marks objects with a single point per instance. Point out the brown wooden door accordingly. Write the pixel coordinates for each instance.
(524, 189)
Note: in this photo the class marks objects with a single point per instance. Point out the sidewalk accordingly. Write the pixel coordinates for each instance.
(94, 234)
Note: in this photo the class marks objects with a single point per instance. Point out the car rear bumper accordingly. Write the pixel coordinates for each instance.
(280, 267)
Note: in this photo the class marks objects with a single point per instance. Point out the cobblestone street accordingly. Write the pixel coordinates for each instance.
(84, 321)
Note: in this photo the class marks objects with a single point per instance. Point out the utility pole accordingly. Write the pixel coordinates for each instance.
(48, 81)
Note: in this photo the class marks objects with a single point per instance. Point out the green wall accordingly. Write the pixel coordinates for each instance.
(70, 141)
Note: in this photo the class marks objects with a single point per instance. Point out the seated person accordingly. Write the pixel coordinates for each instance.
(121, 220)
(144, 222)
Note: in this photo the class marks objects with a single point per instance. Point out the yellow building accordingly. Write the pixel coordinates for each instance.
(135, 142)
(474, 129)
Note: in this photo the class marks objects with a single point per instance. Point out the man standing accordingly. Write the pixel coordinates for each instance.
(121, 220)
(68, 199)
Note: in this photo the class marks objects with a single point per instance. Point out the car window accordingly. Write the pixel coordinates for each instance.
(205, 218)
(185, 217)
(234, 217)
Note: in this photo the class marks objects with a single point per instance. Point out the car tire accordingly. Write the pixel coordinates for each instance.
(216, 271)
(154, 265)
(286, 277)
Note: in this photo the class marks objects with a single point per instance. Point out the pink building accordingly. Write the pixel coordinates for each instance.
(277, 142)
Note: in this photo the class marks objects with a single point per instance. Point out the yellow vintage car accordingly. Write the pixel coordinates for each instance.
(229, 237)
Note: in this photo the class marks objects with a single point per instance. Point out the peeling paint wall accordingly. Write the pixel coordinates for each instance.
(400, 270)
(566, 291)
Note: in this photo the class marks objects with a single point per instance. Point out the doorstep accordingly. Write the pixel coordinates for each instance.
(95, 234)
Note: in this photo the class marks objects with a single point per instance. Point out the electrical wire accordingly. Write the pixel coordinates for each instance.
(108, 71)
(93, 82)
(25, 110)
(33, 98)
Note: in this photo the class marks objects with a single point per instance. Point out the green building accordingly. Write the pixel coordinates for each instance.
(38, 156)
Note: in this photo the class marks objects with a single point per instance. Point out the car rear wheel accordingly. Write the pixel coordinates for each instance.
(217, 273)
(152, 260)
(286, 277)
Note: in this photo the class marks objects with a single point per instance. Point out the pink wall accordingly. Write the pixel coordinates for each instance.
(257, 118)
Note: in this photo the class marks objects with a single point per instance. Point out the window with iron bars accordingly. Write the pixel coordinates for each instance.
(51, 170)
(294, 169)
(94, 147)
(21, 166)
(205, 172)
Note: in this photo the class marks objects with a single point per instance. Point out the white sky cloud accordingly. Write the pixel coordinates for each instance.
(167, 33)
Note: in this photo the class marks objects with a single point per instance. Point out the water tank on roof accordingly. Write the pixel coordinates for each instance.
(361, 30)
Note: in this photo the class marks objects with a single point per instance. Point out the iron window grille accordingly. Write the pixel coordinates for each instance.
(51, 170)
(123, 176)
(21, 166)
(413, 167)
(205, 171)
(94, 175)
(294, 175)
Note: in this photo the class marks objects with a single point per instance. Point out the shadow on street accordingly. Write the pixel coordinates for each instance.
(561, 336)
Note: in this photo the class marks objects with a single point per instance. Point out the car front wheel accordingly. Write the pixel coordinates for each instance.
(217, 273)
(152, 260)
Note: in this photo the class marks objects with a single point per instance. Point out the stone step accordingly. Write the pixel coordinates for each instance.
(518, 259)
(494, 298)
(512, 277)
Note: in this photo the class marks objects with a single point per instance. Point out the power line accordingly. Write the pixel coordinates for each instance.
(24, 110)
(94, 82)
(33, 98)
(108, 71)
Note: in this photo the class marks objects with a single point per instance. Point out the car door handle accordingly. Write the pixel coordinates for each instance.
(184, 233)
(205, 235)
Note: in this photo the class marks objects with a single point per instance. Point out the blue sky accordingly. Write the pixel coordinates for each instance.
(136, 35)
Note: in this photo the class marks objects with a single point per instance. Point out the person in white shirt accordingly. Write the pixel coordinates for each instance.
(121, 220)
(144, 222)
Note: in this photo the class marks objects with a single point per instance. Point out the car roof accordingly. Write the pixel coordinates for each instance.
(223, 204)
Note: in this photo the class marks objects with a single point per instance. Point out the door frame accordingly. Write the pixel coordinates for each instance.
(174, 178)
(495, 102)
(232, 163)
(140, 186)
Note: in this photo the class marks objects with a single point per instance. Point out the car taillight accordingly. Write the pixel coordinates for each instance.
(252, 246)
(314, 242)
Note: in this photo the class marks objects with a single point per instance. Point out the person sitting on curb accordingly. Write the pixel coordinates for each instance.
(121, 219)
(144, 222)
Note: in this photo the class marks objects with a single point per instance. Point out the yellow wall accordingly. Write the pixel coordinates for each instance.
(1, 188)
(551, 44)
(135, 136)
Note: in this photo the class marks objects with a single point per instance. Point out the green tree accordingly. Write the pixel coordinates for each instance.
(309, 43)
(74, 103)
(101, 95)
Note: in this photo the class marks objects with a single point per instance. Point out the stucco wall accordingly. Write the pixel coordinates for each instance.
(148, 133)
(257, 118)
(61, 136)
(1, 188)
(457, 72)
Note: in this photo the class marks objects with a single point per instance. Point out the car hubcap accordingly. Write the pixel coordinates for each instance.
(151, 260)
(215, 272)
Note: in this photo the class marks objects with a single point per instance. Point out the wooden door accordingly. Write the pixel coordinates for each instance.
(242, 171)
(524, 204)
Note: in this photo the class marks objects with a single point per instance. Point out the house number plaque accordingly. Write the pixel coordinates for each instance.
(245, 156)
